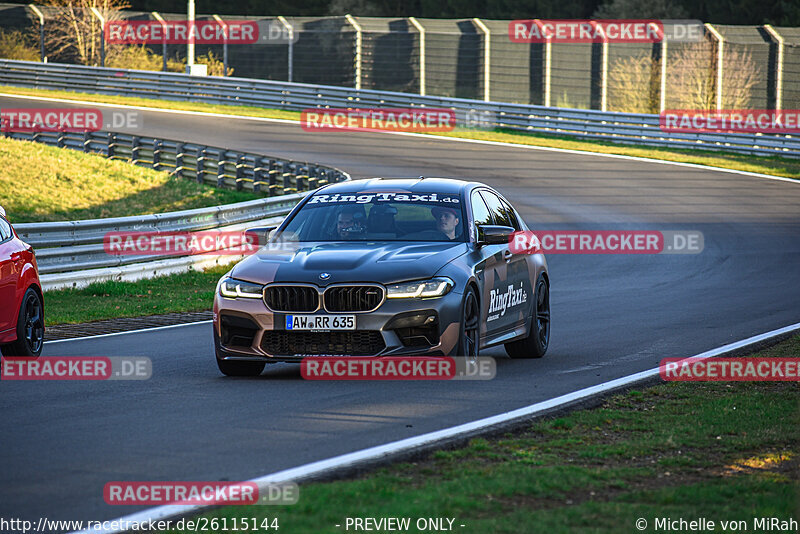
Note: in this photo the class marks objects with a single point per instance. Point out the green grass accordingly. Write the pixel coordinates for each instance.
(777, 166)
(44, 183)
(721, 451)
(190, 291)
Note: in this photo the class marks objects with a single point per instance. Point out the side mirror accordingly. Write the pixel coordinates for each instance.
(490, 234)
(2, 212)
(259, 235)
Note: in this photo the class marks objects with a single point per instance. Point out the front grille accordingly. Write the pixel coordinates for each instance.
(354, 343)
(291, 298)
(352, 298)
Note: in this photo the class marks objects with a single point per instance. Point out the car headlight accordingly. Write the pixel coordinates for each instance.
(435, 287)
(232, 288)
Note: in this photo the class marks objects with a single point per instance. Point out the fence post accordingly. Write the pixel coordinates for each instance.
(224, 44)
(290, 59)
(99, 16)
(548, 59)
(160, 19)
(720, 44)
(41, 29)
(421, 31)
(487, 56)
(357, 27)
(779, 71)
(603, 67)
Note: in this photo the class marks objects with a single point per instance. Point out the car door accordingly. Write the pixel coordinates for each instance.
(509, 293)
(8, 278)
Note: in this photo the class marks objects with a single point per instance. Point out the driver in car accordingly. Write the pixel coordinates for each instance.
(349, 223)
(446, 221)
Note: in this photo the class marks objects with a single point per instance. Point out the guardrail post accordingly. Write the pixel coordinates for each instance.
(274, 171)
(60, 139)
(302, 176)
(313, 180)
(258, 173)
(160, 19)
(201, 164)
(240, 165)
(720, 43)
(41, 29)
(779, 67)
(110, 143)
(222, 154)
(287, 174)
(87, 140)
(357, 27)
(179, 160)
(487, 58)
(421, 31)
(290, 58)
(134, 150)
(156, 154)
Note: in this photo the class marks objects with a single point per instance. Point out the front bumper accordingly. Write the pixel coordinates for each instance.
(246, 330)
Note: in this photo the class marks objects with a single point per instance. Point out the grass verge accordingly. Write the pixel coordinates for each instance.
(719, 451)
(776, 166)
(184, 292)
(45, 183)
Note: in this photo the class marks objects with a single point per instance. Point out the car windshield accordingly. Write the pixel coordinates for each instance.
(379, 216)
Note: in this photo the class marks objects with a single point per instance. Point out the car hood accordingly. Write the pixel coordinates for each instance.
(383, 262)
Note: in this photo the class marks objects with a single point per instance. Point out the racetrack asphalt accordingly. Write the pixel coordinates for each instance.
(613, 315)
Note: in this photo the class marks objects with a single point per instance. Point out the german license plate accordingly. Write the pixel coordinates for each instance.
(320, 322)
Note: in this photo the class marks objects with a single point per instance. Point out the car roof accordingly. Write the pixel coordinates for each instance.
(412, 185)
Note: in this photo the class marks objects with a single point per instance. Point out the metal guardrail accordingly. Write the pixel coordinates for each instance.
(629, 128)
(77, 246)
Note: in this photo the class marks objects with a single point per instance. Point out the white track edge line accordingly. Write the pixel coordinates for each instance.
(161, 513)
(429, 136)
(138, 331)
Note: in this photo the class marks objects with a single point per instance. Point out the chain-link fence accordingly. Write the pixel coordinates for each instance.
(730, 67)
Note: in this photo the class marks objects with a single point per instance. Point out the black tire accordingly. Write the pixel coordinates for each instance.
(535, 345)
(235, 367)
(469, 332)
(30, 327)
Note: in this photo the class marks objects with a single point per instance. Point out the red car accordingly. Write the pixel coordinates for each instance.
(21, 303)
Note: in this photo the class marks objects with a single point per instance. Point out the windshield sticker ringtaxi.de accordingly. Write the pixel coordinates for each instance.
(382, 197)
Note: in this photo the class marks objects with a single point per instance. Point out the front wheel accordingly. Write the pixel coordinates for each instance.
(535, 345)
(30, 327)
